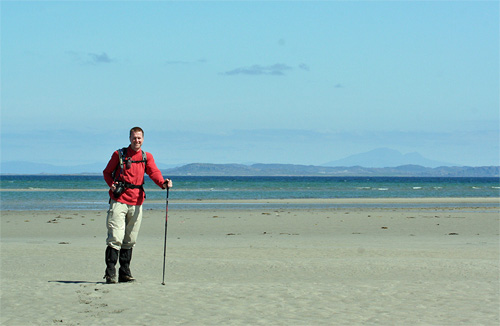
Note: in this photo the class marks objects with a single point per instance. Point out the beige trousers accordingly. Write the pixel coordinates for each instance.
(123, 223)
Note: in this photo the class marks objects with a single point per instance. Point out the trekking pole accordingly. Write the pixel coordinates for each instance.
(165, 241)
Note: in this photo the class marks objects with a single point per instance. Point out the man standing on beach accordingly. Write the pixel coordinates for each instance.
(124, 175)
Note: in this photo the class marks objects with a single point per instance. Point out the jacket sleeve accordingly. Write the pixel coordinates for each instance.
(153, 171)
(112, 165)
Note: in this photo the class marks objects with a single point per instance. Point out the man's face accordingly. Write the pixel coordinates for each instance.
(136, 140)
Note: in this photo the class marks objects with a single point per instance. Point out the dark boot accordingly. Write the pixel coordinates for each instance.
(111, 257)
(124, 274)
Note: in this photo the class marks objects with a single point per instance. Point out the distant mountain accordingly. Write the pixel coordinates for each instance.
(200, 169)
(386, 157)
(207, 169)
(259, 169)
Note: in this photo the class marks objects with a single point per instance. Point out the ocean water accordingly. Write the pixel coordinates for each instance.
(90, 192)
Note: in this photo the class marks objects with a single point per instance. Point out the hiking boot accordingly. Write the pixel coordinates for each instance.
(123, 278)
(111, 257)
(110, 279)
(124, 274)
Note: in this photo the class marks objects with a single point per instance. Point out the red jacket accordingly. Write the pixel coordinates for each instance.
(133, 175)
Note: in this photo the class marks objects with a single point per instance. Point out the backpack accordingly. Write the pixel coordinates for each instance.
(122, 155)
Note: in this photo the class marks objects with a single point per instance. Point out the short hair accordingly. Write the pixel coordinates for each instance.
(136, 129)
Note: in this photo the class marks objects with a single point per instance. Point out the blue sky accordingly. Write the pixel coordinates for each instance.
(255, 81)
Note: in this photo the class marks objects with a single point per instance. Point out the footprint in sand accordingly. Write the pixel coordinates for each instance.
(94, 300)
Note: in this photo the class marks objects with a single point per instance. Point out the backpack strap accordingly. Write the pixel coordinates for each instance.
(122, 157)
(144, 157)
(122, 153)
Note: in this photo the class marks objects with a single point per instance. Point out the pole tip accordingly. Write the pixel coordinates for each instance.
(162, 283)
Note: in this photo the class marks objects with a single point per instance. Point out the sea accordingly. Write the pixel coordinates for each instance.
(90, 192)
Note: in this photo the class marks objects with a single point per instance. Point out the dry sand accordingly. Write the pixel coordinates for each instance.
(356, 266)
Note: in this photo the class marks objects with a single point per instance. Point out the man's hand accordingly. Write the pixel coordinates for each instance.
(167, 184)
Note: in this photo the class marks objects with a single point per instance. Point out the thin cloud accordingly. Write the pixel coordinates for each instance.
(90, 58)
(99, 58)
(277, 69)
(303, 66)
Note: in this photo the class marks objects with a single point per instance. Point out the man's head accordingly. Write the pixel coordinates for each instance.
(136, 138)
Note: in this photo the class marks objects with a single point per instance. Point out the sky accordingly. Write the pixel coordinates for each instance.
(299, 82)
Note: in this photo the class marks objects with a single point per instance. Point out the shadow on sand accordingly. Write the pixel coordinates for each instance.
(76, 282)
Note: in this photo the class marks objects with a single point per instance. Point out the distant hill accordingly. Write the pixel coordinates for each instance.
(259, 169)
(379, 162)
(208, 169)
(386, 157)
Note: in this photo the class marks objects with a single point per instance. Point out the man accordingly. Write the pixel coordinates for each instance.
(124, 175)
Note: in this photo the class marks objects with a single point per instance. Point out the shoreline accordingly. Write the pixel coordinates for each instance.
(367, 200)
(485, 203)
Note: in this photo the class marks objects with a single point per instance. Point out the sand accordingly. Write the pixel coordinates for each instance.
(346, 266)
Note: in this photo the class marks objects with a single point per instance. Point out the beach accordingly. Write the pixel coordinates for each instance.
(432, 265)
